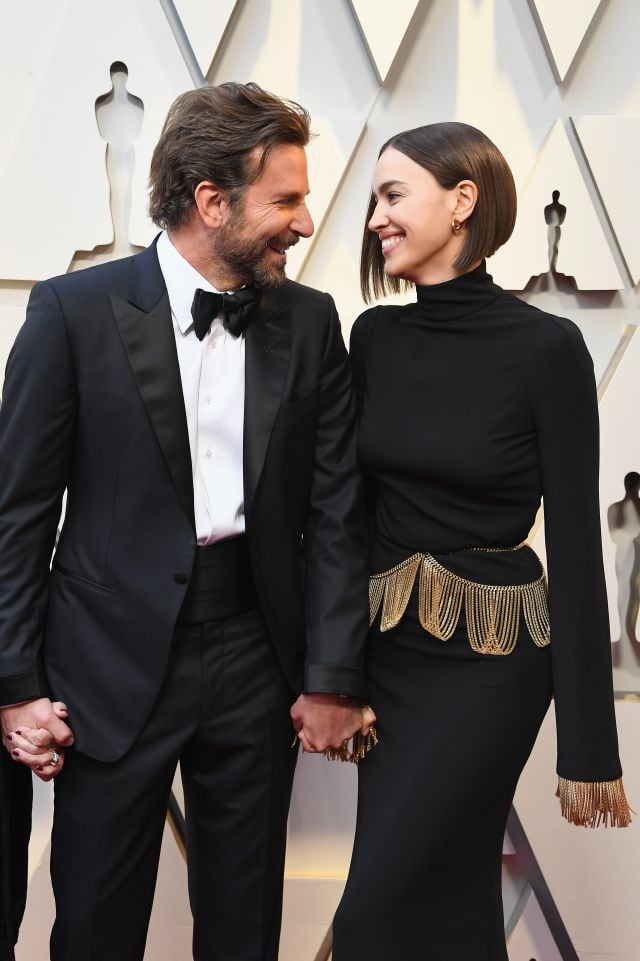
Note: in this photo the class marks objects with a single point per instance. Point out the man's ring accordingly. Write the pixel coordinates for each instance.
(54, 758)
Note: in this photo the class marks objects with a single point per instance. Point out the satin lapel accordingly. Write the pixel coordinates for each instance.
(149, 341)
(267, 350)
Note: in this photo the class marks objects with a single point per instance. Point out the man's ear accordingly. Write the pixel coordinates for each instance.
(467, 196)
(212, 204)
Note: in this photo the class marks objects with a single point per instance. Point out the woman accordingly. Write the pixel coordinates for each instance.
(473, 405)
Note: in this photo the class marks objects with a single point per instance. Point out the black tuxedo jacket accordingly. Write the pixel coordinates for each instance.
(93, 404)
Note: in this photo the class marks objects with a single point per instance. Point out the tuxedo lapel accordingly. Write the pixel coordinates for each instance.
(147, 334)
(267, 349)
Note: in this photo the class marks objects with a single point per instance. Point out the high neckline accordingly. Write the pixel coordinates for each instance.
(458, 297)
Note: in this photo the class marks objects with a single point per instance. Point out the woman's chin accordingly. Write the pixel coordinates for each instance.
(391, 271)
(396, 272)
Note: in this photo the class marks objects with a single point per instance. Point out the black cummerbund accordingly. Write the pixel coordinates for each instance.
(221, 582)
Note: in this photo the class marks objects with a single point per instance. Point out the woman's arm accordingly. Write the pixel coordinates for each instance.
(564, 401)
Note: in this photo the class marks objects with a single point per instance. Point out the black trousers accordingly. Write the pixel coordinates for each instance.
(223, 713)
(15, 828)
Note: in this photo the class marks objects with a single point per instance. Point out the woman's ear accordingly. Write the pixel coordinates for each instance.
(212, 204)
(467, 196)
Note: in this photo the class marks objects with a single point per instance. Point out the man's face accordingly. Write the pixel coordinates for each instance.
(270, 216)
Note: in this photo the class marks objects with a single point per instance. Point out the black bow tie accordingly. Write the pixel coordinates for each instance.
(237, 309)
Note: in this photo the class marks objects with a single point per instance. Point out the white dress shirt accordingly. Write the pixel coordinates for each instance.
(212, 374)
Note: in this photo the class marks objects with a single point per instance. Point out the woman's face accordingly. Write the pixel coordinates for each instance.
(413, 219)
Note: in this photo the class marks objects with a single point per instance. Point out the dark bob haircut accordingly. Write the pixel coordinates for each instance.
(212, 133)
(451, 152)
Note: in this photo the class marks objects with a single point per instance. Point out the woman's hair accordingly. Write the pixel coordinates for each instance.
(451, 152)
(212, 133)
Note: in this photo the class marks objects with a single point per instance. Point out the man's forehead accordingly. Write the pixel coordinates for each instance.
(284, 171)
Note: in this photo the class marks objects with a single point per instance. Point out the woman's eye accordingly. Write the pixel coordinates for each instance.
(393, 196)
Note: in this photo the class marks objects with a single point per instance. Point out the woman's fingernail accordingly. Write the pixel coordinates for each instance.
(16, 753)
(9, 737)
(40, 768)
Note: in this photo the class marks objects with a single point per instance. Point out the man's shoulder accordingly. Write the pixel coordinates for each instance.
(291, 294)
(111, 275)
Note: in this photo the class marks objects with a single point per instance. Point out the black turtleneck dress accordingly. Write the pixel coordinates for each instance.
(474, 406)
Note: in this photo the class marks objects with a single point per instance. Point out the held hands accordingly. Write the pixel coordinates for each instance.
(327, 721)
(35, 734)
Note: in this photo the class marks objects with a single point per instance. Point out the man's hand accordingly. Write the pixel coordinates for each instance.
(328, 720)
(35, 732)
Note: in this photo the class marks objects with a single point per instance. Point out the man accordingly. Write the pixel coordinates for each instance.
(210, 566)
(15, 826)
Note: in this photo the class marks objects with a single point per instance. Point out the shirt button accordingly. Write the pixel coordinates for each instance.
(208, 453)
(181, 578)
(208, 400)
(213, 344)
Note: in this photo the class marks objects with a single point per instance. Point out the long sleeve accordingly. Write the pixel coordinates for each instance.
(361, 334)
(566, 422)
(334, 549)
(37, 420)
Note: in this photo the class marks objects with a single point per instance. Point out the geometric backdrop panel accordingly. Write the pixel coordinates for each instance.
(612, 149)
(557, 225)
(562, 25)
(54, 189)
(204, 24)
(383, 29)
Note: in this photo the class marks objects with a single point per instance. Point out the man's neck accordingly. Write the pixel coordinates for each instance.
(195, 246)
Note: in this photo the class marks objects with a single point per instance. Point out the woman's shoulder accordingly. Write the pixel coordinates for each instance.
(544, 332)
(360, 335)
(365, 322)
(552, 348)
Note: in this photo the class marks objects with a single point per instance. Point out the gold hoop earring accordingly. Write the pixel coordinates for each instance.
(456, 225)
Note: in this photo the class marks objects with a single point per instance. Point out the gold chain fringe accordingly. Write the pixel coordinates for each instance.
(493, 611)
(353, 750)
(590, 804)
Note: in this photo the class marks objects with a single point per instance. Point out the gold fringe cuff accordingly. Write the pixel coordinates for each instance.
(353, 750)
(592, 803)
(493, 611)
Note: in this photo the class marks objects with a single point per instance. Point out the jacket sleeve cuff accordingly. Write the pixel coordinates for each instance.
(591, 803)
(16, 688)
(329, 679)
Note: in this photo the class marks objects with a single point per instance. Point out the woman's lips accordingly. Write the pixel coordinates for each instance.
(390, 243)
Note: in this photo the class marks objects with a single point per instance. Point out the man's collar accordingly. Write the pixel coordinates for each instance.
(181, 279)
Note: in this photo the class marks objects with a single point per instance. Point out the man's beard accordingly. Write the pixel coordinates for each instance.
(247, 257)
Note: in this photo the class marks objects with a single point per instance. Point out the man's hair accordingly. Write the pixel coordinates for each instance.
(451, 152)
(212, 133)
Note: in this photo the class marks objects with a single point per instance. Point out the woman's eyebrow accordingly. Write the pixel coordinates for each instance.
(390, 183)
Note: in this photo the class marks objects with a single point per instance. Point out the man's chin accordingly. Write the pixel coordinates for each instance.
(261, 272)
(267, 276)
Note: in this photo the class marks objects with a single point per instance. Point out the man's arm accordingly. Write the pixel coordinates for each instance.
(37, 422)
(330, 709)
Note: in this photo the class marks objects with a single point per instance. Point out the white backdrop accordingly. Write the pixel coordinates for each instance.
(555, 83)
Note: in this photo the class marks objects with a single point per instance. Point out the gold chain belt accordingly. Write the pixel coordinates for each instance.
(493, 611)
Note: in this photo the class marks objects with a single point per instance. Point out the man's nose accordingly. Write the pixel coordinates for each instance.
(302, 223)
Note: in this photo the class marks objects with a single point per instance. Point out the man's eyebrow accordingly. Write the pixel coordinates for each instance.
(291, 197)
